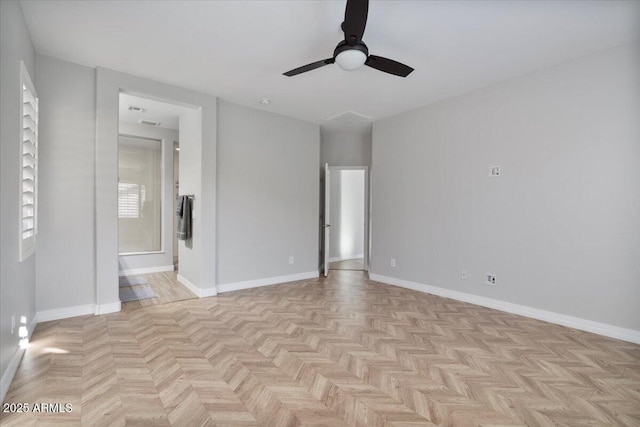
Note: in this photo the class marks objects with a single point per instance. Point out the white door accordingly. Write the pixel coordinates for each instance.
(327, 223)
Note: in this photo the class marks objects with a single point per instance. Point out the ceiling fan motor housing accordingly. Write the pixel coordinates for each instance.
(343, 45)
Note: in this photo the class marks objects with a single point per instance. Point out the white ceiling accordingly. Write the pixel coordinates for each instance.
(167, 114)
(238, 50)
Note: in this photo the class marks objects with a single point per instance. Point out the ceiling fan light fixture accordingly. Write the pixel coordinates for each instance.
(351, 59)
(351, 53)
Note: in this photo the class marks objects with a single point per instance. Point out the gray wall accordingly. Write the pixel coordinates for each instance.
(167, 136)
(350, 146)
(560, 228)
(17, 279)
(190, 170)
(65, 271)
(267, 194)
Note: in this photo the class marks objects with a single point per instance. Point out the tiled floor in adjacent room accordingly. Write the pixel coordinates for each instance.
(166, 287)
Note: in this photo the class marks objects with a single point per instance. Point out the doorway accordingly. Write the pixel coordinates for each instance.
(176, 194)
(346, 218)
(148, 149)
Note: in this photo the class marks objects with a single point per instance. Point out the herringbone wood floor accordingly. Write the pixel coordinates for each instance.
(336, 351)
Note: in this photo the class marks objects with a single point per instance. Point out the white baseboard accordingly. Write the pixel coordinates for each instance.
(346, 258)
(148, 270)
(78, 310)
(111, 307)
(228, 287)
(65, 312)
(199, 292)
(14, 363)
(522, 310)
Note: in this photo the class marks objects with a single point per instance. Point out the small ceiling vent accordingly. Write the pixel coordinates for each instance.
(137, 109)
(149, 123)
(348, 119)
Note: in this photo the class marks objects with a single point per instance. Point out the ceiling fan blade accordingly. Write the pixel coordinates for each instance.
(388, 66)
(309, 67)
(355, 20)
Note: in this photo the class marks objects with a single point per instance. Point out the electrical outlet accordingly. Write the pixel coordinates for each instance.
(494, 171)
(291, 260)
(393, 262)
(13, 323)
(464, 274)
(490, 279)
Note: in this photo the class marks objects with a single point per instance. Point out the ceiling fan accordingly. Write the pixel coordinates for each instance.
(352, 53)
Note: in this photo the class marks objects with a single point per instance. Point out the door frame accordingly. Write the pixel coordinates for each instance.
(109, 84)
(366, 209)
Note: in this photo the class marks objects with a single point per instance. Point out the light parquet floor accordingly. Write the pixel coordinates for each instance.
(348, 264)
(166, 287)
(337, 351)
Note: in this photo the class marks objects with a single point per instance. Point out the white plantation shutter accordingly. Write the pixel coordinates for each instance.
(28, 166)
(128, 200)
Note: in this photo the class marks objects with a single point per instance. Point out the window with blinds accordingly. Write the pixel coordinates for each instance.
(140, 188)
(29, 166)
(128, 200)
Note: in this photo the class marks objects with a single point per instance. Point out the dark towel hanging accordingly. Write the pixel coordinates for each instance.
(180, 205)
(184, 211)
